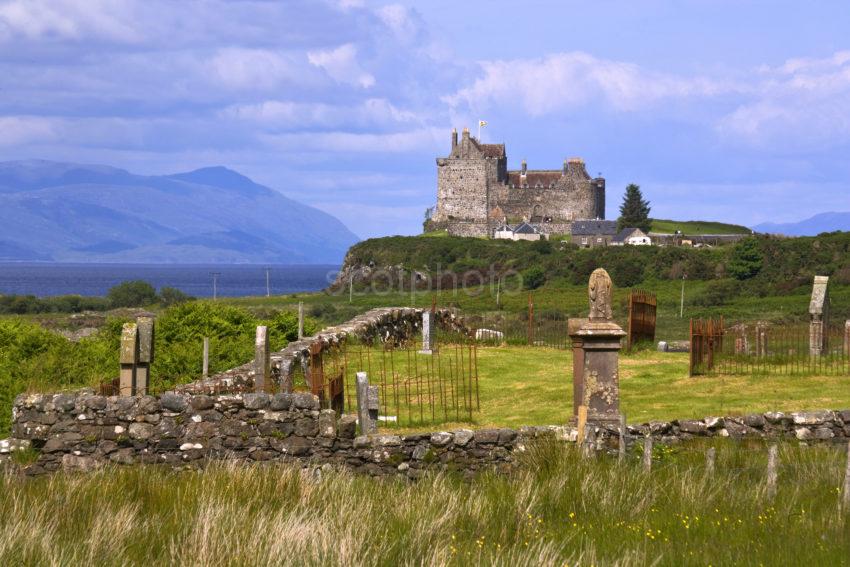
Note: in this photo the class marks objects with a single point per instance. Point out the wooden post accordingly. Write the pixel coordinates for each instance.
(581, 423)
(845, 502)
(129, 357)
(772, 458)
(262, 359)
(206, 367)
(709, 460)
(300, 320)
(530, 332)
(145, 326)
(647, 454)
(621, 452)
(362, 392)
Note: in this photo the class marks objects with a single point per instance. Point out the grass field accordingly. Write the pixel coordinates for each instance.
(533, 386)
(696, 228)
(555, 509)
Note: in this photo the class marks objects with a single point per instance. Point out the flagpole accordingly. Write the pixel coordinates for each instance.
(479, 131)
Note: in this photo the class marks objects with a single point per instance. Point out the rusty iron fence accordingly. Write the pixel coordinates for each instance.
(414, 389)
(531, 327)
(763, 349)
(642, 315)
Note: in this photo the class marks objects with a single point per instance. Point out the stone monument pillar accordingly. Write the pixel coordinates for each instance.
(819, 316)
(428, 346)
(596, 377)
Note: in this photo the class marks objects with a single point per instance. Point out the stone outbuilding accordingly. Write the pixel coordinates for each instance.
(592, 233)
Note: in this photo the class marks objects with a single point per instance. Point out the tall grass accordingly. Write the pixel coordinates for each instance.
(554, 509)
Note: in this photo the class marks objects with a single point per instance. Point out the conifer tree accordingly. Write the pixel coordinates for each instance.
(634, 212)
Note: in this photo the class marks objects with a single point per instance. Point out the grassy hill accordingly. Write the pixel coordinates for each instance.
(696, 228)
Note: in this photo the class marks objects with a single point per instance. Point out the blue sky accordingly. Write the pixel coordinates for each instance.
(723, 110)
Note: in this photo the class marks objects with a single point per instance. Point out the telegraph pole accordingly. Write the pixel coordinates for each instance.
(215, 284)
(682, 300)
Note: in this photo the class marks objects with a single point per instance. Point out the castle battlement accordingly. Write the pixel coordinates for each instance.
(476, 192)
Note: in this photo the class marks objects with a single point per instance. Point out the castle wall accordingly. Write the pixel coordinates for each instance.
(559, 204)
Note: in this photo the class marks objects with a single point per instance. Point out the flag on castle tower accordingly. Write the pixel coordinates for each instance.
(482, 123)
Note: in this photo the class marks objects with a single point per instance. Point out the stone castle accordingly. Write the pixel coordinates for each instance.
(476, 193)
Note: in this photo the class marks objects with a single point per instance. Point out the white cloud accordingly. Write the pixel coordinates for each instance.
(350, 142)
(802, 104)
(341, 64)
(242, 68)
(19, 130)
(288, 114)
(68, 19)
(567, 80)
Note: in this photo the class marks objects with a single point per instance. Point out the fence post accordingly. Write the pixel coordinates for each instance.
(145, 326)
(647, 454)
(128, 358)
(206, 367)
(846, 497)
(300, 320)
(709, 460)
(530, 332)
(772, 458)
(362, 392)
(262, 359)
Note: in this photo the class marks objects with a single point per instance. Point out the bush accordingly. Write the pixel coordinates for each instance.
(746, 260)
(533, 277)
(170, 296)
(131, 294)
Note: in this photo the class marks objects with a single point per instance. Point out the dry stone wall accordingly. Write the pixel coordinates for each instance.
(82, 430)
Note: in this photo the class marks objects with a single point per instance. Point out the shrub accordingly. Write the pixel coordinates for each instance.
(533, 277)
(746, 260)
(131, 294)
(169, 296)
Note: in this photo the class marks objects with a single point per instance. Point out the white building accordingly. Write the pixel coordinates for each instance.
(632, 237)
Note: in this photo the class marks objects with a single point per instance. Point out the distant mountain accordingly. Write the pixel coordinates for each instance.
(823, 222)
(69, 212)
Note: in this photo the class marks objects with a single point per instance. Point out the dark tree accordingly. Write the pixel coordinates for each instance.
(746, 260)
(634, 212)
(131, 294)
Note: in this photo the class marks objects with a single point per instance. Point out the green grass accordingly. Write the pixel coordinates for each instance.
(695, 228)
(554, 509)
(533, 386)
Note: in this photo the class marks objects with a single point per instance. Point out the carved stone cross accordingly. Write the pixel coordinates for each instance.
(599, 290)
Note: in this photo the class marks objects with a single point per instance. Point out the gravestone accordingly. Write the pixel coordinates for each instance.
(145, 328)
(596, 380)
(761, 340)
(128, 358)
(364, 417)
(374, 404)
(428, 346)
(262, 359)
(819, 316)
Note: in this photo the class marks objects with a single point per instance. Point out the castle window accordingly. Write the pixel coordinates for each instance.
(551, 186)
